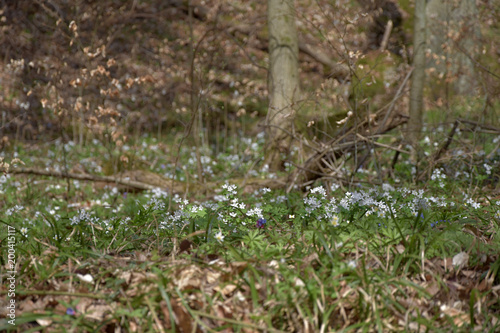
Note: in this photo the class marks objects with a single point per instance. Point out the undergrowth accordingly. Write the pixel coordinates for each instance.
(94, 257)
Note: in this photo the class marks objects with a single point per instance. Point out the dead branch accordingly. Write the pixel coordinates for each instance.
(95, 178)
(145, 180)
(387, 34)
(367, 129)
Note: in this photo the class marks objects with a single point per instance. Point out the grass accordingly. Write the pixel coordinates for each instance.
(398, 257)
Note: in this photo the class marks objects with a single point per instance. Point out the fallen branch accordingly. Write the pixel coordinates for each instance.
(95, 178)
(145, 180)
(368, 129)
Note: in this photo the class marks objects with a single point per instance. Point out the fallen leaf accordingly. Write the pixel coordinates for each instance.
(43, 322)
(460, 260)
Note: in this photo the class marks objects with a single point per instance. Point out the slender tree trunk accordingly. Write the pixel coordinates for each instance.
(283, 79)
(418, 76)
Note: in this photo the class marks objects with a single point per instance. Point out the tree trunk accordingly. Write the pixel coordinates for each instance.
(418, 76)
(283, 80)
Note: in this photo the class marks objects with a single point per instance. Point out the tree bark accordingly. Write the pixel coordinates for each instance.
(418, 76)
(283, 79)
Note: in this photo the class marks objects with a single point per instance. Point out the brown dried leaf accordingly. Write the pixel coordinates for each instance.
(182, 319)
(188, 278)
(433, 288)
(226, 290)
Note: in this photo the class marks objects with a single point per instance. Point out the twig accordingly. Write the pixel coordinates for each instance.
(476, 124)
(445, 146)
(477, 63)
(382, 145)
(396, 97)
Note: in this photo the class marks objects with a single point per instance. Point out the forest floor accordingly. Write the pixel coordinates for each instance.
(397, 256)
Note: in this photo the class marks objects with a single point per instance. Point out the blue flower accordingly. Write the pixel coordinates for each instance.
(70, 311)
(261, 223)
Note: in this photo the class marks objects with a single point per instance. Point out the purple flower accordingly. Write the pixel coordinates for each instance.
(70, 311)
(261, 223)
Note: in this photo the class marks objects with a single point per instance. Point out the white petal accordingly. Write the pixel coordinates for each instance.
(86, 278)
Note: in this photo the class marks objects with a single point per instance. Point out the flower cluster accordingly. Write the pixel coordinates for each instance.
(14, 209)
(82, 216)
(439, 176)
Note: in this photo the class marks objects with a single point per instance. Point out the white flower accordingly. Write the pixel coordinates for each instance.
(320, 190)
(219, 236)
(291, 216)
(352, 264)
(273, 264)
(234, 203)
(254, 212)
(487, 168)
(335, 221)
(24, 230)
(334, 187)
